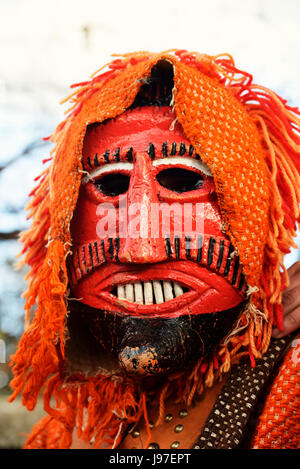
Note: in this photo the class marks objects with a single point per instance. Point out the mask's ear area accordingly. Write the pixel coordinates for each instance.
(157, 89)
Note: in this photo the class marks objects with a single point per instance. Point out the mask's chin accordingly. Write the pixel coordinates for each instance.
(111, 343)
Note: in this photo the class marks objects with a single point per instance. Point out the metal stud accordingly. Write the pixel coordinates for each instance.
(135, 434)
(183, 413)
(168, 417)
(153, 446)
(178, 428)
(151, 424)
(175, 444)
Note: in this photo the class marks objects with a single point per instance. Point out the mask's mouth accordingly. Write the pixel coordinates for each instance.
(151, 292)
(166, 289)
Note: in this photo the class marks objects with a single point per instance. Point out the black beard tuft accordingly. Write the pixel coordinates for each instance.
(110, 342)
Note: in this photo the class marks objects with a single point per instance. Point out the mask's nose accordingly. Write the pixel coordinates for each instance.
(143, 242)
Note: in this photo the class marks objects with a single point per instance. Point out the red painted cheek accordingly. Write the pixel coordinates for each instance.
(84, 221)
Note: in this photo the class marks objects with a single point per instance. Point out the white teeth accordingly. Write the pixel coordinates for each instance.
(177, 289)
(158, 293)
(129, 292)
(121, 292)
(138, 293)
(148, 293)
(168, 291)
(151, 292)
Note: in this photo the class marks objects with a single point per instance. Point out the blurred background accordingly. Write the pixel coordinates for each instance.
(47, 45)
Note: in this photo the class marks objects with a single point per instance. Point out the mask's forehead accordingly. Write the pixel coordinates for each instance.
(152, 129)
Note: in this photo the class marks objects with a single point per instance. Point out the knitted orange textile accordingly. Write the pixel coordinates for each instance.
(249, 137)
(279, 424)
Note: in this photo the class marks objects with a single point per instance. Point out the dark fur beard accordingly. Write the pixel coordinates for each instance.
(111, 343)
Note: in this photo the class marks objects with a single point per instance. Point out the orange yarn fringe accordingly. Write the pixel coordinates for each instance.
(99, 405)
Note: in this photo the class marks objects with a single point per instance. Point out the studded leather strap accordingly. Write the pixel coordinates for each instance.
(230, 423)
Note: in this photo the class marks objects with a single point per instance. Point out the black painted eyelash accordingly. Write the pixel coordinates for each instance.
(151, 151)
(178, 149)
(105, 157)
(129, 154)
(166, 150)
(117, 154)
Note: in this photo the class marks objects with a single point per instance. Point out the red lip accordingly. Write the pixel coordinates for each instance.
(208, 292)
(163, 271)
(164, 309)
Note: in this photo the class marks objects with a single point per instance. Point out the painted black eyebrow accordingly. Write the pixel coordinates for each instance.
(129, 154)
(89, 162)
(174, 149)
(109, 156)
(106, 156)
(151, 151)
(182, 149)
(117, 154)
(165, 149)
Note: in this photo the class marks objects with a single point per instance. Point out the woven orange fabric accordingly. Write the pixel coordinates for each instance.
(247, 135)
(279, 424)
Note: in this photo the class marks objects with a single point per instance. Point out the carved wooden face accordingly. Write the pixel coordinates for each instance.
(158, 281)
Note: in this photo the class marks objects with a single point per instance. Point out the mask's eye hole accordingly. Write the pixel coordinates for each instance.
(112, 184)
(180, 179)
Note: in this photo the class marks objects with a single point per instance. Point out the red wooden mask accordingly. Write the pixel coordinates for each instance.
(158, 281)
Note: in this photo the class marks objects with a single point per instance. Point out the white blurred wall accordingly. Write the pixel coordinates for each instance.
(52, 43)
